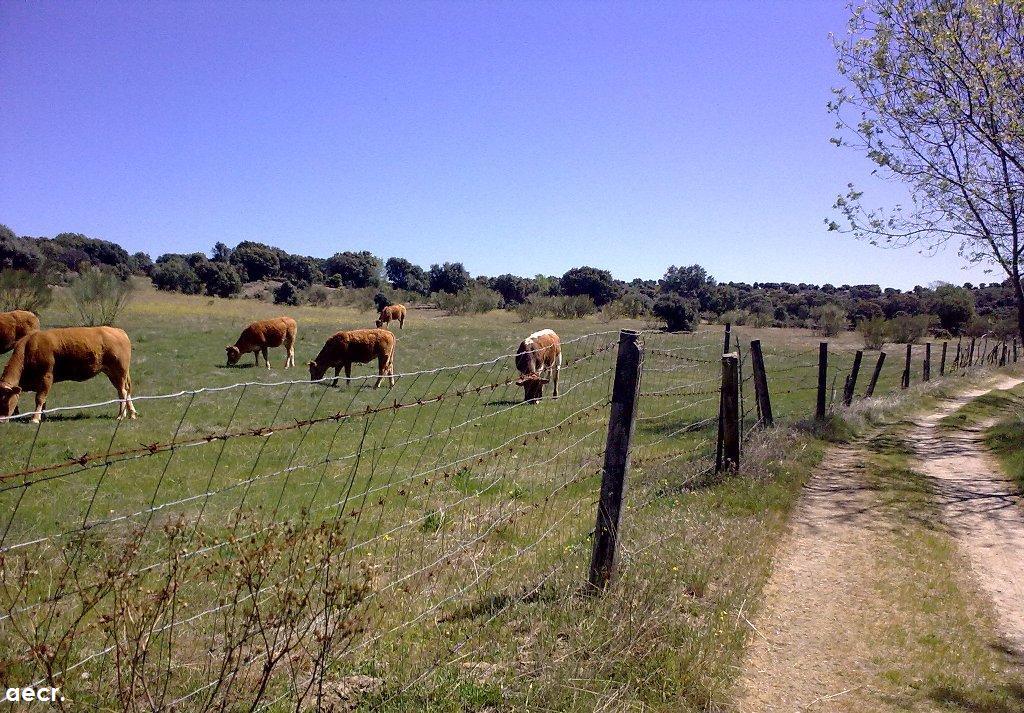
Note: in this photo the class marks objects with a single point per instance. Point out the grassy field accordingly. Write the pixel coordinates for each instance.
(419, 546)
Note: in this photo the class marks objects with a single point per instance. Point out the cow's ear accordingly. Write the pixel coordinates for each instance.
(310, 363)
(543, 381)
(520, 381)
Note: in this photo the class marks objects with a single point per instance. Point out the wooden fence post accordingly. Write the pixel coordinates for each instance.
(984, 351)
(1002, 355)
(730, 411)
(819, 411)
(942, 361)
(761, 394)
(906, 370)
(1015, 350)
(970, 353)
(616, 459)
(851, 380)
(726, 342)
(874, 376)
(956, 362)
(926, 371)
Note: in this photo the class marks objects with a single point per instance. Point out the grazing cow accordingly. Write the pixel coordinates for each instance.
(266, 334)
(357, 345)
(392, 313)
(15, 325)
(539, 353)
(69, 354)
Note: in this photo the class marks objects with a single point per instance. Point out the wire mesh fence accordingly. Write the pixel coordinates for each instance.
(245, 544)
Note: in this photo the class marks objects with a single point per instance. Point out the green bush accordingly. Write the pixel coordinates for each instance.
(316, 295)
(99, 296)
(874, 331)
(907, 329)
(286, 294)
(629, 306)
(475, 299)
(23, 290)
(680, 314)
(829, 320)
(176, 275)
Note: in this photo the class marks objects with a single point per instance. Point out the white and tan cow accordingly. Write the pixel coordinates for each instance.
(538, 354)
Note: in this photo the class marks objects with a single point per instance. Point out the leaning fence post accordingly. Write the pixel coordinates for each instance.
(926, 371)
(761, 393)
(1002, 355)
(970, 353)
(819, 411)
(730, 411)
(874, 376)
(616, 458)
(956, 362)
(1015, 350)
(851, 380)
(942, 361)
(906, 370)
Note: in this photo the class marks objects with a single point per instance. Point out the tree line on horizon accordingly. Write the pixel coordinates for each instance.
(682, 297)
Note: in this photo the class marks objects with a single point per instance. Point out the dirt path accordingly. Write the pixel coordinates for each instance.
(812, 649)
(983, 510)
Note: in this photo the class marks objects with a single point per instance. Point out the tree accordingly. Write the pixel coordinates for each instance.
(451, 277)
(221, 279)
(361, 269)
(691, 282)
(303, 271)
(954, 306)
(680, 314)
(142, 263)
(256, 261)
(403, 275)
(591, 282)
(18, 253)
(23, 290)
(220, 253)
(934, 97)
(512, 288)
(176, 275)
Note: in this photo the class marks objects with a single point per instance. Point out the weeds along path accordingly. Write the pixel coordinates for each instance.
(824, 637)
(981, 507)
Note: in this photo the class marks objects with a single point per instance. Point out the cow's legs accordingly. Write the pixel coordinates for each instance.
(348, 372)
(557, 368)
(256, 354)
(41, 394)
(337, 370)
(266, 357)
(122, 382)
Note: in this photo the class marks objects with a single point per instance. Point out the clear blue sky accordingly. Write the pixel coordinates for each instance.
(517, 137)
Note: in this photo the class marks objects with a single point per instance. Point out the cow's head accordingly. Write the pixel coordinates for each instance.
(379, 323)
(234, 354)
(316, 372)
(8, 399)
(533, 385)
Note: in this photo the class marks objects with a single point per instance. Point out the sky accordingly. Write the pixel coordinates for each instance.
(525, 137)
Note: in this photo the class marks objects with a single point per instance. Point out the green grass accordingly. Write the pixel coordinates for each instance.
(1001, 411)
(466, 519)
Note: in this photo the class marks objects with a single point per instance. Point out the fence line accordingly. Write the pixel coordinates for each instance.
(277, 530)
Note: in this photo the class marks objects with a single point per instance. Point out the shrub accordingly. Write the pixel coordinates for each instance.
(954, 306)
(286, 294)
(738, 317)
(590, 282)
(221, 279)
(528, 311)
(680, 314)
(907, 329)
(176, 275)
(572, 306)
(475, 299)
(317, 295)
(874, 331)
(629, 306)
(829, 320)
(99, 296)
(23, 290)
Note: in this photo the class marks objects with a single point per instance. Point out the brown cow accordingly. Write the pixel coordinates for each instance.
(266, 334)
(357, 345)
(392, 313)
(15, 325)
(538, 353)
(69, 354)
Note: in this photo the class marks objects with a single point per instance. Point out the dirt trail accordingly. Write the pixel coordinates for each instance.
(984, 511)
(811, 650)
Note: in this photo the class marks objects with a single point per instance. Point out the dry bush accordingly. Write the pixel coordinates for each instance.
(23, 290)
(99, 296)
